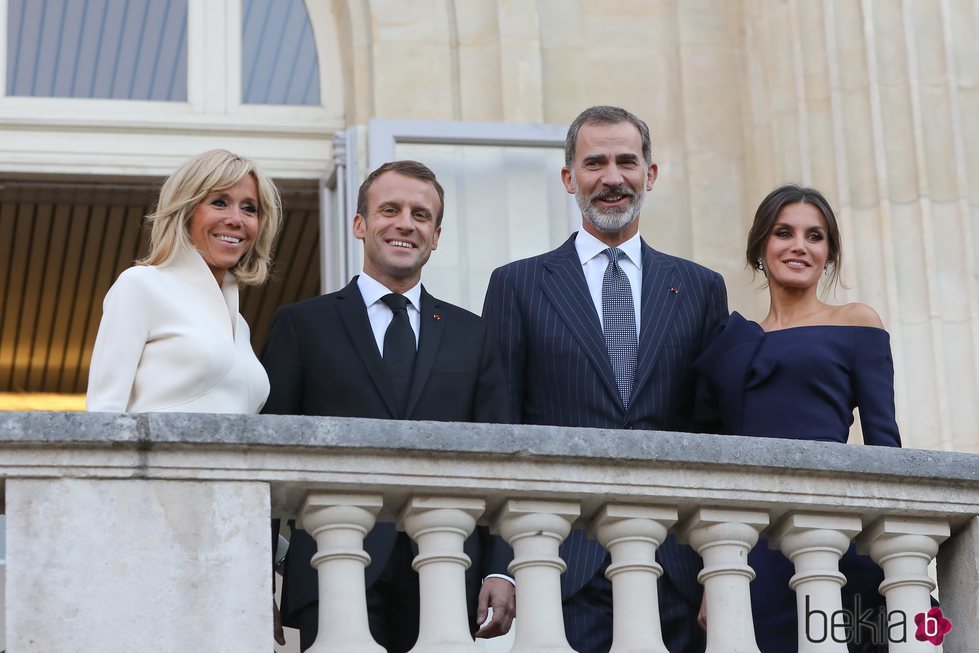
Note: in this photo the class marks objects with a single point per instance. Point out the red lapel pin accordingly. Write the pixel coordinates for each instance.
(674, 290)
(436, 317)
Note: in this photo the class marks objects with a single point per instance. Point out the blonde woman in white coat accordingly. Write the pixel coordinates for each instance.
(171, 337)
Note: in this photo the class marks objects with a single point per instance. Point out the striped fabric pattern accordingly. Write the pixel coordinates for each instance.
(559, 370)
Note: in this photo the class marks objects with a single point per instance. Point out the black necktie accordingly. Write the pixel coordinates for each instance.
(619, 324)
(399, 351)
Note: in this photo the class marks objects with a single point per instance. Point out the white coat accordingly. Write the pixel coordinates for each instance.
(172, 340)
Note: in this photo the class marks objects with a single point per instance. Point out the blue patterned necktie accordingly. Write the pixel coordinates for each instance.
(619, 324)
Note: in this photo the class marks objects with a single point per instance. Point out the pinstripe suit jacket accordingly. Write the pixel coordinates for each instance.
(559, 373)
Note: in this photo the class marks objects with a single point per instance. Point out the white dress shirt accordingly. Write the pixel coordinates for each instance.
(380, 315)
(594, 263)
(172, 340)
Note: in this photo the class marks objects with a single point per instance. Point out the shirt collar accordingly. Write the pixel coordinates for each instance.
(372, 290)
(589, 247)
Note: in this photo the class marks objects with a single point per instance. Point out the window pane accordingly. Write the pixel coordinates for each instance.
(278, 54)
(113, 49)
(501, 204)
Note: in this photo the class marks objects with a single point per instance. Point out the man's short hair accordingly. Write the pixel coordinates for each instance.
(606, 115)
(407, 168)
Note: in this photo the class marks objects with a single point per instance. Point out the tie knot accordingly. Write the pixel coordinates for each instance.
(395, 301)
(614, 254)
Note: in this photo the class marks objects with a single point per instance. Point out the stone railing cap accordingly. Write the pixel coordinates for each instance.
(167, 430)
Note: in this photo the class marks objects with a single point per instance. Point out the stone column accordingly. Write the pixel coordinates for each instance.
(440, 526)
(958, 578)
(904, 547)
(338, 523)
(724, 536)
(632, 534)
(535, 529)
(815, 543)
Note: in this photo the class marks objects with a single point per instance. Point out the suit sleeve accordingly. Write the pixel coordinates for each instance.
(502, 314)
(123, 332)
(282, 358)
(716, 312)
(491, 407)
(491, 401)
(498, 554)
(703, 417)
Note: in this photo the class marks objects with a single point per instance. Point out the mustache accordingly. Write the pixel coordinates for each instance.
(606, 193)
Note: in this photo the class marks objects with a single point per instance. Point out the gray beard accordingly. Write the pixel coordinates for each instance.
(612, 220)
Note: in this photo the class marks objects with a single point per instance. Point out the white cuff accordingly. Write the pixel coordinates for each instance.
(503, 576)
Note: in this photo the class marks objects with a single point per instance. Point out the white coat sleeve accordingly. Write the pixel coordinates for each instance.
(119, 344)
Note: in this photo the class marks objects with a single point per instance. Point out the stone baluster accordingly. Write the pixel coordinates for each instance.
(440, 526)
(815, 543)
(904, 547)
(723, 537)
(632, 534)
(535, 529)
(338, 523)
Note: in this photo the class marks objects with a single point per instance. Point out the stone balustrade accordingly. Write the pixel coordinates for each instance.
(150, 532)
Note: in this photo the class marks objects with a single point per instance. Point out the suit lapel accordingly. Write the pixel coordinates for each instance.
(659, 302)
(352, 310)
(430, 326)
(567, 291)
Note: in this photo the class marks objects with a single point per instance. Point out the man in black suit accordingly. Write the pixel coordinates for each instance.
(603, 332)
(383, 347)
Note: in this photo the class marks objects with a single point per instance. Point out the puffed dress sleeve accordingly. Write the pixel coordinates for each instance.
(123, 332)
(873, 384)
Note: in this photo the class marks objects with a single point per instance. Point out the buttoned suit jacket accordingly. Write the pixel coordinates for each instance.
(322, 359)
(559, 373)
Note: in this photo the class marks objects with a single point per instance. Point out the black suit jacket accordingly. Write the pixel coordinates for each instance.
(559, 372)
(322, 359)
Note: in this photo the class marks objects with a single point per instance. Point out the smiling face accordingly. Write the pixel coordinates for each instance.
(609, 179)
(399, 230)
(224, 225)
(797, 248)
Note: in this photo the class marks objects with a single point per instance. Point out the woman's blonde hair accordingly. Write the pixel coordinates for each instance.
(184, 190)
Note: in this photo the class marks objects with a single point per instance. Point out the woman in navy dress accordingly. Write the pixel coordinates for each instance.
(799, 373)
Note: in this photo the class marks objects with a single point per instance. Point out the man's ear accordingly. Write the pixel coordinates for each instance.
(435, 237)
(360, 227)
(651, 176)
(568, 179)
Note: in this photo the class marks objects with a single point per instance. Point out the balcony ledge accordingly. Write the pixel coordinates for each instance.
(593, 466)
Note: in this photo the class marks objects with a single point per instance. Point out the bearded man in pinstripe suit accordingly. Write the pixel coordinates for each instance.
(602, 332)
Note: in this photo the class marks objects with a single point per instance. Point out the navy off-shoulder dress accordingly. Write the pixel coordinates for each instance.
(800, 383)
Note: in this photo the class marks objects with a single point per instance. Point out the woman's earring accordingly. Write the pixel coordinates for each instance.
(828, 270)
(760, 264)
